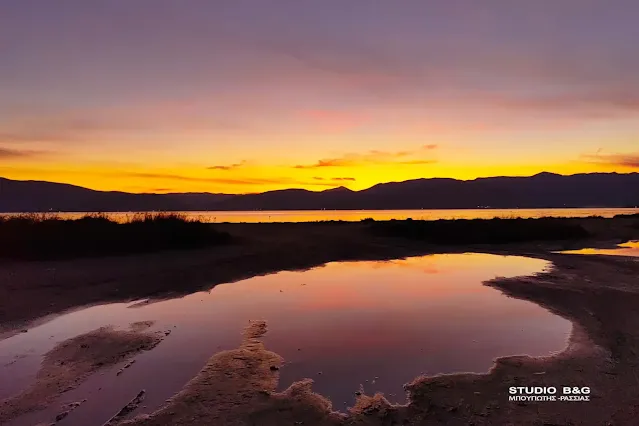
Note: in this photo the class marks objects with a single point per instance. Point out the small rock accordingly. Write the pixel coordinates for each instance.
(24, 331)
(320, 373)
(274, 368)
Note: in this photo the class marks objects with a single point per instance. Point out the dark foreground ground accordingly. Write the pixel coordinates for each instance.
(599, 294)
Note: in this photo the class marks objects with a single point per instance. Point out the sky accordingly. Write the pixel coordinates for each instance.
(240, 96)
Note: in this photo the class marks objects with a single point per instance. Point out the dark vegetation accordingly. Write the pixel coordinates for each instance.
(42, 236)
(627, 216)
(482, 231)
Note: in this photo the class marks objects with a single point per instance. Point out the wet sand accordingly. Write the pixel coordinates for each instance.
(600, 294)
(70, 362)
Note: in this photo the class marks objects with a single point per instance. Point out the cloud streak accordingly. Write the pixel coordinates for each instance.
(224, 181)
(630, 160)
(8, 154)
(228, 166)
(336, 179)
(374, 157)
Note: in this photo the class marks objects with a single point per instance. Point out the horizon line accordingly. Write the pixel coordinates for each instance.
(320, 191)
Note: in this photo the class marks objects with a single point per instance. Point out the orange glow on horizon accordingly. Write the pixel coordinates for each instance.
(250, 178)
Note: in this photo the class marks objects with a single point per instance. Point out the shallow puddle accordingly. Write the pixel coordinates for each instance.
(630, 248)
(374, 324)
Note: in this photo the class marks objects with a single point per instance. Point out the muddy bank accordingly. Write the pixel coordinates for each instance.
(70, 362)
(600, 295)
(33, 290)
(237, 387)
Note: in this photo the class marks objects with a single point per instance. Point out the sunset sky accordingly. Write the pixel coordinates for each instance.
(248, 96)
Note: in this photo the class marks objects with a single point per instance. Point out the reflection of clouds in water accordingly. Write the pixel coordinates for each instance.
(351, 320)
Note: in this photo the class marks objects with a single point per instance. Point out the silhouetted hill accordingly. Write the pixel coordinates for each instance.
(544, 190)
(39, 196)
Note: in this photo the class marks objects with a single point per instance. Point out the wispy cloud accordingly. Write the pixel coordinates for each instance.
(603, 101)
(630, 160)
(374, 157)
(225, 181)
(228, 166)
(417, 162)
(6, 153)
(336, 179)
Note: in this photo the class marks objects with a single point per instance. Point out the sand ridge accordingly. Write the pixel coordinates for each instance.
(70, 362)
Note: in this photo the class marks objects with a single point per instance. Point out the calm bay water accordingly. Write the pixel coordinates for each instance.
(630, 249)
(375, 324)
(357, 215)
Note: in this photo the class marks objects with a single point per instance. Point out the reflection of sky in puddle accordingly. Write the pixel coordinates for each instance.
(630, 248)
(352, 322)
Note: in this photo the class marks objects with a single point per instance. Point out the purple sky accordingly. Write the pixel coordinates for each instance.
(239, 95)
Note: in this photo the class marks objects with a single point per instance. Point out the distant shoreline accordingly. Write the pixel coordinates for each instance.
(355, 215)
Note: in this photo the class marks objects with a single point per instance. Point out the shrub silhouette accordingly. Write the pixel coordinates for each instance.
(41, 236)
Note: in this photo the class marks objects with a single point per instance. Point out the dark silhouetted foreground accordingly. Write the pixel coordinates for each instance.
(481, 231)
(49, 237)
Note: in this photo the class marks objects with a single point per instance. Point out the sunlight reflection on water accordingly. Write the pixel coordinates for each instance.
(351, 321)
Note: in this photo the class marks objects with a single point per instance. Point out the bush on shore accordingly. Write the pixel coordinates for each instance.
(44, 236)
(482, 231)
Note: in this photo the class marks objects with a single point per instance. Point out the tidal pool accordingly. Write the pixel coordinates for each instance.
(374, 324)
(630, 248)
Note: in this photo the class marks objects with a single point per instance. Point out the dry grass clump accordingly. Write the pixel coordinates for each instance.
(47, 236)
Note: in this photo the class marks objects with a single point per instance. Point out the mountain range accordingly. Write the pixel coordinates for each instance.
(543, 190)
